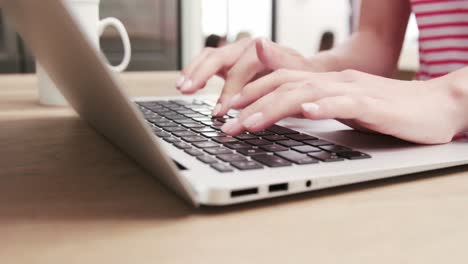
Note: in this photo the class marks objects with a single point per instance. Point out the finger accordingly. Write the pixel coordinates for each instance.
(245, 69)
(267, 110)
(338, 107)
(274, 56)
(187, 71)
(259, 88)
(214, 62)
(357, 108)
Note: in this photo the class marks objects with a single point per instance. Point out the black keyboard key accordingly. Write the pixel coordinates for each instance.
(297, 157)
(196, 116)
(185, 134)
(251, 151)
(182, 145)
(258, 142)
(202, 119)
(318, 143)
(206, 144)
(237, 145)
(290, 143)
(214, 134)
(218, 128)
(281, 130)
(206, 113)
(301, 137)
(271, 161)
(162, 134)
(213, 123)
(224, 140)
(247, 165)
(325, 156)
(165, 124)
(193, 125)
(156, 119)
(246, 137)
(203, 129)
(186, 112)
(218, 150)
(194, 152)
(354, 155)
(274, 148)
(221, 167)
(184, 121)
(178, 117)
(335, 148)
(194, 139)
(207, 159)
(231, 157)
(275, 138)
(306, 149)
(171, 139)
(263, 133)
(175, 129)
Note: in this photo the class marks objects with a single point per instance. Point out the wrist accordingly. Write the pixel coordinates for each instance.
(458, 89)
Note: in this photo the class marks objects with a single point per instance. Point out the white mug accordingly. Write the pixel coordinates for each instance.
(86, 13)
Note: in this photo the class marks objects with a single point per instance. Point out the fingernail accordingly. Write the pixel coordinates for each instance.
(230, 125)
(186, 86)
(234, 100)
(216, 110)
(264, 42)
(253, 120)
(265, 46)
(310, 108)
(180, 81)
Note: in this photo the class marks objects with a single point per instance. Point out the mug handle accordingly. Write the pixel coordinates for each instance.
(114, 22)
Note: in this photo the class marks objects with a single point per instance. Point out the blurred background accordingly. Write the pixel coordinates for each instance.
(167, 34)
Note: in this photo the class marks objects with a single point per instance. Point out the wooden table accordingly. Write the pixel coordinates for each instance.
(68, 196)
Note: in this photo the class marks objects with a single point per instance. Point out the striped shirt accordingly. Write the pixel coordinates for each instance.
(443, 36)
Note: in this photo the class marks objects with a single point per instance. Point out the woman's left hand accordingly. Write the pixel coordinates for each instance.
(424, 112)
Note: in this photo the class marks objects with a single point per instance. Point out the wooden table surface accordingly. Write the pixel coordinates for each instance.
(68, 196)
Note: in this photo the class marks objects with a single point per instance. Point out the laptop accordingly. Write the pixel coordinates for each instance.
(176, 140)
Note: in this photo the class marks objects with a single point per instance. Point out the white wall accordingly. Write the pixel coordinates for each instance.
(253, 16)
(301, 23)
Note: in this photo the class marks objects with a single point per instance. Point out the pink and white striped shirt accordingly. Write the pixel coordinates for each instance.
(443, 36)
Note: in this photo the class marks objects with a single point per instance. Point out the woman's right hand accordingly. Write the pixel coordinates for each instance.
(238, 64)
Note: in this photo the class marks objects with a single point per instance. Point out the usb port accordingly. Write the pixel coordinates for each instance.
(278, 187)
(244, 192)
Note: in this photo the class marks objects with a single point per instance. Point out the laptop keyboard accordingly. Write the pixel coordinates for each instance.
(188, 125)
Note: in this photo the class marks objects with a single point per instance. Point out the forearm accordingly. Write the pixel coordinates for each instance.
(376, 45)
(363, 51)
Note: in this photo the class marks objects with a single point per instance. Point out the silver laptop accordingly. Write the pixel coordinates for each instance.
(177, 141)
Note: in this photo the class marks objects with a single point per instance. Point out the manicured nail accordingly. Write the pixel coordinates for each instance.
(186, 86)
(234, 100)
(310, 108)
(180, 81)
(253, 120)
(217, 109)
(265, 43)
(230, 125)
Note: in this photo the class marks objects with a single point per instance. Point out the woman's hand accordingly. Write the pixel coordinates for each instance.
(238, 64)
(428, 112)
